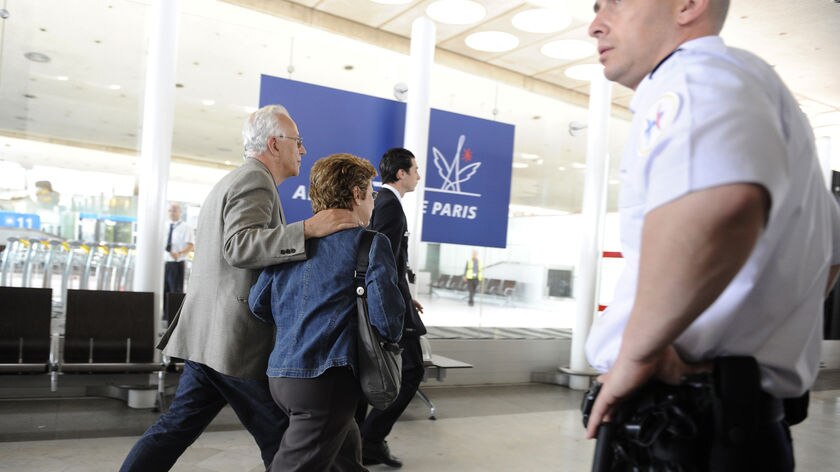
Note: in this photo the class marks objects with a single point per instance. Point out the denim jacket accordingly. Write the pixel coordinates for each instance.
(313, 304)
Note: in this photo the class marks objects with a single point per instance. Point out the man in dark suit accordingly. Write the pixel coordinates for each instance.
(398, 169)
(241, 229)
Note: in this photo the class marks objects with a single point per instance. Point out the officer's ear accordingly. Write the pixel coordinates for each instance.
(691, 11)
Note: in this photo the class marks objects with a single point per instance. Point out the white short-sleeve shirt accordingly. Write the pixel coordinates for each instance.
(182, 234)
(712, 115)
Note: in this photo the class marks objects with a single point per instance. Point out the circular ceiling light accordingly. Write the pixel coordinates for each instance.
(568, 49)
(585, 72)
(391, 2)
(541, 20)
(492, 41)
(37, 57)
(456, 12)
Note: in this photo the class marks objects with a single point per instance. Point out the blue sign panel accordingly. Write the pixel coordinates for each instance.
(467, 180)
(467, 176)
(20, 220)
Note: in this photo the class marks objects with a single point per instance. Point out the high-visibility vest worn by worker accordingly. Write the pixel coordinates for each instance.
(473, 266)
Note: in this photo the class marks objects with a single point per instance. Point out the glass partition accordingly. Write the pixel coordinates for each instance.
(71, 90)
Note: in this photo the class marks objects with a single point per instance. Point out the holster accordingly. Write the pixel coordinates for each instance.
(698, 425)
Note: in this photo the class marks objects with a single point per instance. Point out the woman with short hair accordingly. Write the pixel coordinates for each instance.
(313, 305)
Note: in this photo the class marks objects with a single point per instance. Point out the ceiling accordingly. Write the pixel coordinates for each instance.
(89, 95)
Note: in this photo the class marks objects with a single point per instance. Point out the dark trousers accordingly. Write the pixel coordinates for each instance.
(472, 284)
(770, 449)
(173, 282)
(202, 393)
(378, 423)
(173, 276)
(322, 434)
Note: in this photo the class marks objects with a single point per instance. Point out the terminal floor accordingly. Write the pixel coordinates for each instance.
(533, 427)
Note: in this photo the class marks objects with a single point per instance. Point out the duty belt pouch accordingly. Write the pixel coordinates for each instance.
(738, 400)
(738, 397)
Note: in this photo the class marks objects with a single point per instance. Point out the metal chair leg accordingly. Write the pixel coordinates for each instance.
(428, 403)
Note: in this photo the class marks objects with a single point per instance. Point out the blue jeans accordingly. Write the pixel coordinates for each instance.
(202, 393)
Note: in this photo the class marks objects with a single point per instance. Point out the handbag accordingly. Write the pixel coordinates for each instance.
(379, 361)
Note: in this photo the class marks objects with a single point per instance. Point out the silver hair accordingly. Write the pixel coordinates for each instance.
(261, 125)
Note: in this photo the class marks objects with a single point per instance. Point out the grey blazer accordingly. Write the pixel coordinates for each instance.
(240, 231)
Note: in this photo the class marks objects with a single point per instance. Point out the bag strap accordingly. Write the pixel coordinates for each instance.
(362, 262)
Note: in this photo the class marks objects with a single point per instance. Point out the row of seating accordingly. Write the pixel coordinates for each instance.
(497, 287)
(104, 332)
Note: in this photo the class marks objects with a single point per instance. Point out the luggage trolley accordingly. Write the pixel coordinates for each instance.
(14, 257)
(36, 258)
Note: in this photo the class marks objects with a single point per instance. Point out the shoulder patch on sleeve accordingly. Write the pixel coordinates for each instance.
(659, 118)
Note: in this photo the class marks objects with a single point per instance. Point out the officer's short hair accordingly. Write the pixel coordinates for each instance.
(392, 161)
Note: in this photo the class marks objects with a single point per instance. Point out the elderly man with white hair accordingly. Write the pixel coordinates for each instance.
(241, 229)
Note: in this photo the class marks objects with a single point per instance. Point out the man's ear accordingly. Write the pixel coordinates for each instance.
(691, 10)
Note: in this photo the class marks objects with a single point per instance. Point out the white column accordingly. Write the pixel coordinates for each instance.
(592, 224)
(156, 148)
(417, 113)
(824, 155)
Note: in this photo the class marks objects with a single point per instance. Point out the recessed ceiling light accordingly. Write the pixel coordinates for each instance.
(392, 2)
(492, 41)
(520, 165)
(561, 168)
(62, 78)
(528, 156)
(584, 72)
(114, 87)
(541, 20)
(227, 163)
(456, 12)
(578, 165)
(568, 49)
(37, 57)
(208, 102)
(614, 181)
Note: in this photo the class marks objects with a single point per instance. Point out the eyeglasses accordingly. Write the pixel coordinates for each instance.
(298, 139)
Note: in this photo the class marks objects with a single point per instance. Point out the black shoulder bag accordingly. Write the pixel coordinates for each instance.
(379, 362)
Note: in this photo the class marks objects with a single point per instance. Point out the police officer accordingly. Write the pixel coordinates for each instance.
(729, 234)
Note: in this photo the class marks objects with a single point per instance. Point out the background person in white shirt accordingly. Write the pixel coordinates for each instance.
(729, 233)
(179, 242)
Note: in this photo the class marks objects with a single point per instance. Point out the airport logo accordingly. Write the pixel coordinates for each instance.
(452, 173)
(660, 117)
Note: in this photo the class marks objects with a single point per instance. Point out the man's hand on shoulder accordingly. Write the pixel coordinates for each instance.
(328, 222)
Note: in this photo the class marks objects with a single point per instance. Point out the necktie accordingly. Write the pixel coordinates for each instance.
(169, 238)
